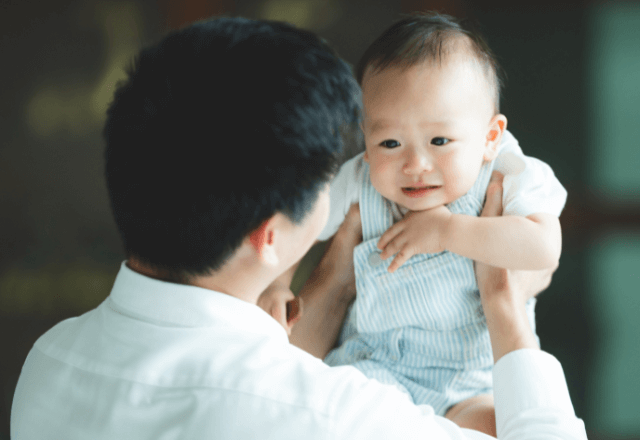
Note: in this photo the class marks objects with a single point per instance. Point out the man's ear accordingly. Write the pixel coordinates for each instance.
(497, 127)
(262, 241)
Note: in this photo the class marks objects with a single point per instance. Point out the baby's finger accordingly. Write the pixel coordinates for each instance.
(389, 235)
(400, 259)
(393, 246)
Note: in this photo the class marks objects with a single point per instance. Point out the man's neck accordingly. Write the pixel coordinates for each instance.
(240, 277)
(137, 266)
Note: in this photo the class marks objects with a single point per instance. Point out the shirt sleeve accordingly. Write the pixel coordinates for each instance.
(369, 410)
(529, 185)
(531, 399)
(345, 191)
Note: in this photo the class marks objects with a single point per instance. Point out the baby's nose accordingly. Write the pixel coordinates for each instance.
(417, 162)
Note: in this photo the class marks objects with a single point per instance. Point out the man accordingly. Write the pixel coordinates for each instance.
(220, 147)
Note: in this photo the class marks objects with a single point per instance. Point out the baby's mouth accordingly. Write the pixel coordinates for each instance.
(419, 191)
(417, 188)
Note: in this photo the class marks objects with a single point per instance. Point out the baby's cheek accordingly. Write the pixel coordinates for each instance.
(379, 176)
(375, 179)
(382, 168)
(457, 174)
(462, 174)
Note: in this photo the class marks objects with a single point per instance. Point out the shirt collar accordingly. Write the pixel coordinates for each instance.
(172, 304)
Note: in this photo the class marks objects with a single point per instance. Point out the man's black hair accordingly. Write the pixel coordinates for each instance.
(421, 37)
(217, 128)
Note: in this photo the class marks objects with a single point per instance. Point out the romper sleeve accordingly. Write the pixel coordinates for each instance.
(529, 185)
(345, 191)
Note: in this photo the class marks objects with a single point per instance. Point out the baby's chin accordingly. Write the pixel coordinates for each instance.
(419, 205)
(415, 205)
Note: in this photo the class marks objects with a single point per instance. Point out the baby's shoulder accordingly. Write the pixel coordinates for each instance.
(356, 163)
(509, 144)
(511, 159)
(353, 169)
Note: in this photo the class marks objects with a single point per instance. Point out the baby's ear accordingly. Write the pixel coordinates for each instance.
(497, 127)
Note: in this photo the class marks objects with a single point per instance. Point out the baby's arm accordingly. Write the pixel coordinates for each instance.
(511, 242)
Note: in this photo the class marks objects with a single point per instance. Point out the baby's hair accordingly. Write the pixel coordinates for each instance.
(424, 37)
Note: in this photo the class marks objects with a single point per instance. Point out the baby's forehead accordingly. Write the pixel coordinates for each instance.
(461, 62)
(458, 57)
(461, 71)
(410, 95)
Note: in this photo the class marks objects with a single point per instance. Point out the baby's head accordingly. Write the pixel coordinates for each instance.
(431, 93)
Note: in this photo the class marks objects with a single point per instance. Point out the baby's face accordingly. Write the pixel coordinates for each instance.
(427, 131)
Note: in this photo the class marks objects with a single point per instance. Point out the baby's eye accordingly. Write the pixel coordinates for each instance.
(439, 141)
(390, 143)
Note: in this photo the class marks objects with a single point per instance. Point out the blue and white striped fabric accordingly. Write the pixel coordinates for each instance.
(420, 328)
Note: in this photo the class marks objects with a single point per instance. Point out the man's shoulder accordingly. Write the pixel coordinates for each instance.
(62, 337)
(236, 377)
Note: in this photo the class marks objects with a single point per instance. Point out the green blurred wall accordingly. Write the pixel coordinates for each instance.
(614, 259)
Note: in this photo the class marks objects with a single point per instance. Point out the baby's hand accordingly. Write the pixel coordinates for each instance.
(282, 305)
(419, 232)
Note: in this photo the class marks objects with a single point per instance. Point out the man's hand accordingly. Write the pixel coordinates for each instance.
(419, 232)
(282, 305)
(496, 283)
(337, 261)
(504, 292)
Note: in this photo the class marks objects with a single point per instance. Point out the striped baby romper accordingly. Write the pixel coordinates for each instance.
(421, 328)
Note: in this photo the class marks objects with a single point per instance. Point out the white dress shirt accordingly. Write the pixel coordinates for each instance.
(158, 360)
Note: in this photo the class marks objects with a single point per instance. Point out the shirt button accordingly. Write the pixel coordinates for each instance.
(374, 259)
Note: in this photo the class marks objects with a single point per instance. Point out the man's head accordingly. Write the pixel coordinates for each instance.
(219, 127)
(430, 95)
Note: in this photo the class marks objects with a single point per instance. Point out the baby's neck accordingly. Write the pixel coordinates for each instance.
(398, 211)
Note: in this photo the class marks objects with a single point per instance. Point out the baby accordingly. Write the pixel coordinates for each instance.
(434, 135)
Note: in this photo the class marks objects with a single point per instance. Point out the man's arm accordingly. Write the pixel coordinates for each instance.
(530, 390)
(504, 292)
(329, 291)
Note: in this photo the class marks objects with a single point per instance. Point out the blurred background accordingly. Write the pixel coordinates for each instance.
(572, 99)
